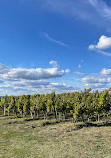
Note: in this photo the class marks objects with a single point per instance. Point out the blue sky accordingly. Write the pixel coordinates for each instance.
(53, 45)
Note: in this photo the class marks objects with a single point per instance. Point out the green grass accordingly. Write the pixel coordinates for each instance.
(30, 139)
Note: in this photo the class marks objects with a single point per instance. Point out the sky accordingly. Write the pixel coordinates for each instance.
(54, 45)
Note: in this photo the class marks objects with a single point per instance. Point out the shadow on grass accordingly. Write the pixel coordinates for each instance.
(43, 123)
(95, 124)
(78, 126)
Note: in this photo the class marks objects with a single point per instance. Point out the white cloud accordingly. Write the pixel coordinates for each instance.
(4, 69)
(95, 82)
(31, 74)
(104, 43)
(109, 80)
(93, 11)
(92, 47)
(67, 71)
(93, 79)
(28, 83)
(103, 53)
(100, 80)
(40, 86)
(17, 81)
(54, 63)
(62, 86)
(47, 36)
(105, 72)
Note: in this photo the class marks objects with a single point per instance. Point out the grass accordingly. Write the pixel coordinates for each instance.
(30, 139)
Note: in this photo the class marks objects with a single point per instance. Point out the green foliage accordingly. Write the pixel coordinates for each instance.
(81, 105)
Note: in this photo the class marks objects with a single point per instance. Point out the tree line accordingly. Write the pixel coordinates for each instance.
(81, 105)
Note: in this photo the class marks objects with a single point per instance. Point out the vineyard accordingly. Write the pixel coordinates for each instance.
(78, 106)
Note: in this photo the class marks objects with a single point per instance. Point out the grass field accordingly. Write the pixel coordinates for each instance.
(30, 139)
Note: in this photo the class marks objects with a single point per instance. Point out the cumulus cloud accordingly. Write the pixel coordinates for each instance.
(28, 83)
(30, 74)
(99, 80)
(95, 82)
(62, 86)
(16, 81)
(4, 69)
(7, 73)
(109, 80)
(54, 63)
(105, 72)
(104, 43)
(41, 86)
(92, 79)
